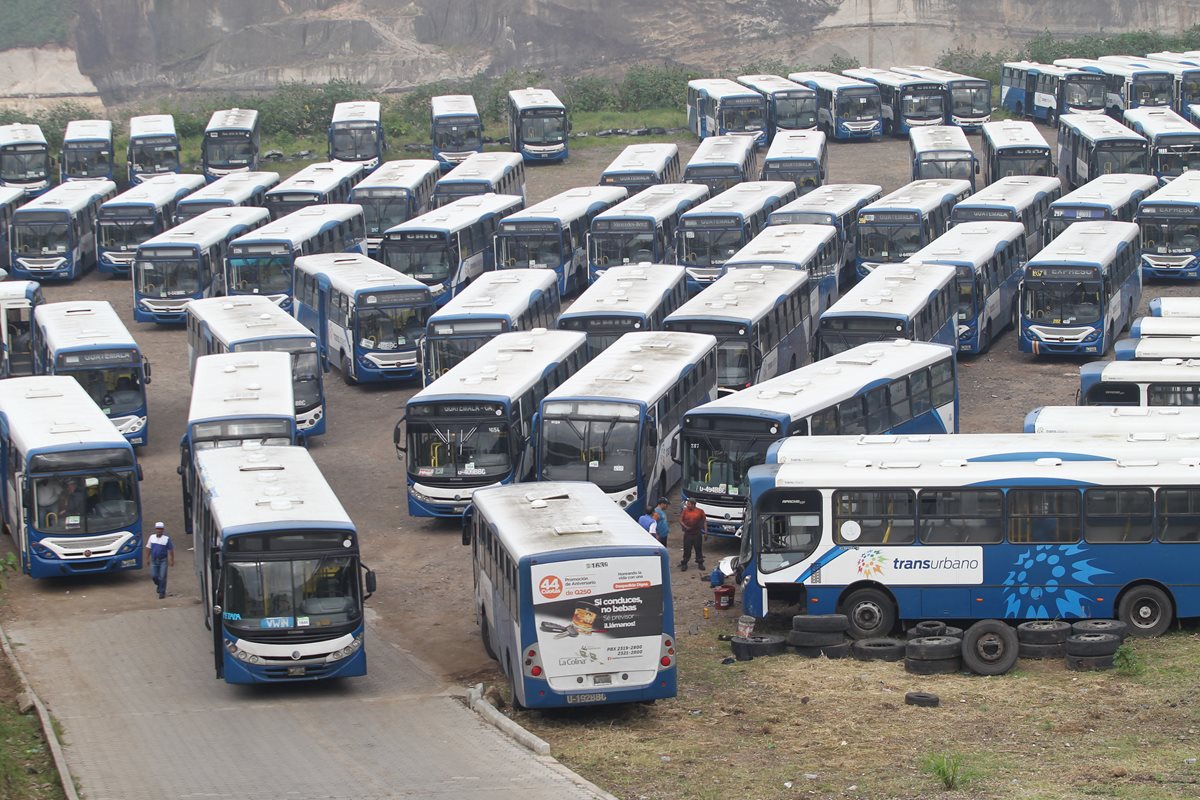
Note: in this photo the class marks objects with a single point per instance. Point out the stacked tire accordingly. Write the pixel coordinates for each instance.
(1043, 638)
(933, 655)
(1094, 647)
(933, 627)
(815, 635)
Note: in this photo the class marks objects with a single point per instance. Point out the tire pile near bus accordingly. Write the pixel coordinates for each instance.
(819, 635)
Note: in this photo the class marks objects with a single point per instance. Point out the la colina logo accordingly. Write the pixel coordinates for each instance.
(870, 563)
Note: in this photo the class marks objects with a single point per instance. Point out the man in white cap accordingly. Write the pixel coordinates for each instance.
(162, 556)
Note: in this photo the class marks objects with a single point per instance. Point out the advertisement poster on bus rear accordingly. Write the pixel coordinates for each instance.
(598, 615)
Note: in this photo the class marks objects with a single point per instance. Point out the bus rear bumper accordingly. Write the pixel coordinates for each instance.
(539, 695)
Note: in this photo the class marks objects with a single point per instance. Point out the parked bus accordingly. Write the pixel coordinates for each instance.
(722, 162)
(721, 107)
(368, 319)
(537, 589)
(455, 128)
(24, 159)
(553, 234)
(1140, 66)
(474, 426)
(1170, 223)
(796, 156)
(482, 173)
(1044, 92)
(899, 224)
(813, 249)
(1174, 142)
(230, 143)
(448, 248)
(877, 388)
(1081, 290)
(70, 499)
(642, 229)
(614, 421)
(628, 297)
(86, 340)
(153, 147)
(1109, 197)
(1158, 348)
(942, 151)
(1186, 70)
(846, 108)
(1023, 199)
(640, 166)
(790, 106)
(495, 302)
(255, 324)
(53, 237)
(18, 299)
(1127, 86)
(329, 183)
(1164, 328)
(537, 125)
(395, 192)
(260, 262)
(1014, 147)
(836, 204)
(187, 263)
(10, 200)
(906, 102)
(278, 565)
(1165, 382)
(896, 301)
(234, 190)
(1175, 307)
(970, 98)
(356, 134)
(136, 215)
(716, 229)
(1145, 423)
(87, 151)
(1093, 145)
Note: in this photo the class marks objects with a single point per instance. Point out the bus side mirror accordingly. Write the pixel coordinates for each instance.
(372, 583)
(398, 440)
(140, 475)
(976, 169)
(652, 433)
(468, 525)
(676, 454)
(569, 126)
(146, 370)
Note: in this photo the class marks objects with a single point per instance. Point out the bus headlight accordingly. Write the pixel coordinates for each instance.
(129, 546)
(1091, 337)
(348, 650)
(137, 424)
(42, 551)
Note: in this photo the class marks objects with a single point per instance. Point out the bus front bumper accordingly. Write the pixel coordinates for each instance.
(164, 312)
(380, 366)
(722, 521)
(1060, 341)
(1185, 267)
(441, 501)
(133, 428)
(255, 662)
(115, 263)
(41, 269)
(56, 556)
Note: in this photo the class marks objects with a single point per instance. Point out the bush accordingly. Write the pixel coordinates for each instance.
(31, 23)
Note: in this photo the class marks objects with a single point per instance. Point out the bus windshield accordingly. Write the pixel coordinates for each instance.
(927, 105)
(85, 162)
(603, 451)
(354, 144)
(117, 390)
(715, 464)
(839, 334)
(741, 118)
(971, 100)
(1022, 165)
(857, 105)
(1175, 163)
(966, 293)
(40, 238)
(1085, 95)
(1154, 91)
(457, 136)
(154, 157)
(889, 240)
(167, 277)
(530, 250)
(446, 352)
(391, 327)
(458, 449)
(428, 261)
(265, 274)
(711, 247)
(946, 165)
(541, 130)
(1113, 159)
(1170, 236)
(1063, 302)
(229, 152)
(126, 232)
(291, 593)
(805, 174)
(24, 166)
(622, 248)
(95, 502)
(382, 213)
(796, 113)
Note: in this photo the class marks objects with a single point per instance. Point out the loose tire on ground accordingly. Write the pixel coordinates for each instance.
(922, 699)
(841, 650)
(1147, 610)
(1089, 663)
(1042, 651)
(815, 638)
(881, 649)
(748, 647)
(990, 647)
(1092, 644)
(871, 613)
(933, 648)
(820, 623)
(1043, 631)
(1114, 626)
(939, 666)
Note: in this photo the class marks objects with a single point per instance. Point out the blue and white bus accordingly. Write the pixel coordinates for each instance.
(1081, 290)
(717, 228)
(455, 128)
(317, 184)
(847, 108)
(796, 156)
(279, 568)
(722, 162)
(642, 229)
(234, 190)
(878, 388)
(1014, 147)
(138, 214)
(153, 147)
(187, 263)
(721, 107)
(813, 249)
(86, 340)
(482, 173)
(395, 192)
(1164, 328)
(1174, 142)
(896, 301)
(356, 134)
(1127, 86)
(369, 319)
(614, 422)
(71, 501)
(628, 297)
(942, 151)
(899, 224)
(1170, 223)
(448, 248)
(24, 159)
(1023, 199)
(260, 262)
(1175, 70)
(18, 299)
(537, 125)
(640, 166)
(255, 324)
(988, 257)
(1145, 423)
(1094, 145)
(53, 237)
(790, 106)
(836, 204)
(1186, 70)
(495, 302)
(1109, 197)
(230, 143)
(761, 317)
(553, 234)
(474, 426)
(1130, 382)
(1158, 348)
(10, 200)
(1044, 92)
(537, 589)
(970, 98)
(87, 151)
(1175, 307)
(906, 102)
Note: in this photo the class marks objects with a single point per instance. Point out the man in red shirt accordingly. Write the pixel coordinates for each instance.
(692, 521)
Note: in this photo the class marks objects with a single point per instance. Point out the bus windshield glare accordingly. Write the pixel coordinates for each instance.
(355, 144)
(1154, 91)
(391, 327)
(805, 174)
(839, 334)
(926, 105)
(1022, 165)
(711, 247)
(633, 247)
(447, 349)
(289, 593)
(1170, 236)
(427, 261)
(597, 443)
(459, 448)
(1085, 94)
(889, 240)
(96, 502)
(384, 212)
(453, 135)
(230, 152)
(1063, 302)
(857, 105)
(530, 250)
(167, 277)
(86, 161)
(125, 231)
(971, 100)
(946, 165)
(23, 165)
(741, 118)
(543, 127)
(117, 390)
(260, 274)
(149, 157)
(795, 113)
(1120, 158)
(40, 236)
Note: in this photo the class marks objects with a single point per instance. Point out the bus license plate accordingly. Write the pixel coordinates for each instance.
(295, 671)
(602, 680)
(586, 698)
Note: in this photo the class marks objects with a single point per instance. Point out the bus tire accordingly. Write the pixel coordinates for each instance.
(938, 666)
(933, 648)
(1040, 651)
(1089, 663)
(986, 343)
(1114, 626)
(348, 371)
(1092, 644)
(990, 647)
(512, 686)
(870, 612)
(1147, 610)
(815, 638)
(485, 633)
(881, 649)
(1044, 632)
(746, 648)
(922, 699)
(930, 627)
(823, 623)
(832, 651)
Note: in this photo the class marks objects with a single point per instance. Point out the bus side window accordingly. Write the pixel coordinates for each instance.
(1043, 516)
(898, 398)
(1178, 515)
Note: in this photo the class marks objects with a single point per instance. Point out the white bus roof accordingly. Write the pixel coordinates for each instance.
(723, 88)
(351, 273)
(1182, 421)
(643, 158)
(71, 197)
(933, 73)
(461, 213)
(498, 292)
(796, 145)
(207, 229)
(1175, 306)
(21, 133)
(567, 206)
(746, 294)
(722, 150)
(1158, 327)
(506, 366)
(268, 488)
(639, 367)
(1176, 68)
(301, 225)
(1110, 191)
(88, 130)
(247, 318)
(624, 289)
(1158, 348)
(53, 412)
(489, 167)
(657, 202)
(745, 198)
(773, 84)
(81, 324)
(242, 385)
(1111, 67)
(968, 243)
(1168, 369)
(1012, 191)
(11, 195)
(233, 119)
(829, 80)
(534, 98)
(1014, 133)
(234, 189)
(20, 290)
(884, 77)
(923, 195)
(1154, 122)
(318, 178)
(834, 199)
(157, 192)
(1087, 243)
(551, 516)
(892, 290)
(355, 111)
(405, 174)
(939, 138)
(453, 105)
(151, 125)
(1182, 59)
(1183, 190)
(783, 245)
(1099, 127)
